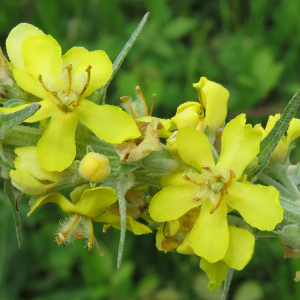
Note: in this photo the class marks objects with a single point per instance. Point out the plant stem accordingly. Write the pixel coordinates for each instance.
(227, 283)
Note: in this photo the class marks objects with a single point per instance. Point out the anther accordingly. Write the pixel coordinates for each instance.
(138, 89)
(215, 207)
(125, 99)
(79, 236)
(62, 237)
(152, 105)
(88, 70)
(40, 79)
(196, 199)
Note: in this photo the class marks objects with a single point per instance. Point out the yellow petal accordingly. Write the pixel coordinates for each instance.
(28, 161)
(42, 56)
(94, 201)
(12, 109)
(172, 202)
(159, 237)
(74, 56)
(240, 144)
(185, 247)
(30, 84)
(173, 179)
(194, 148)
(46, 111)
(100, 72)
(293, 131)
(271, 122)
(137, 227)
(59, 199)
(214, 98)
(215, 272)
(241, 248)
(76, 194)
(28, 184)
(187, 115)
(15, 41)
(56, 149)
(108, 122)
(210, 236)
(258, 205)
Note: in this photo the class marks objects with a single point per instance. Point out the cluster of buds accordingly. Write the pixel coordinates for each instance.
(208, 187)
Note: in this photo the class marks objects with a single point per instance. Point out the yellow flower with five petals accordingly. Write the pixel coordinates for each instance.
(64, 82)
(215, 187)
(86, 206)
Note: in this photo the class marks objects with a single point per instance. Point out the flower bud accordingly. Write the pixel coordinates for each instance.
(94, 167)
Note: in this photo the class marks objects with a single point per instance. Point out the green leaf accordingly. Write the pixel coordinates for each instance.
(270, 142)
(10, 120)
(14, 102)
(9, 191)
(3, 161)
(119, 60)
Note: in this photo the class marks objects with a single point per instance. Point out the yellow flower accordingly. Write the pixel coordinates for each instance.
(282, 150)
(215, 187)
(87, 205)
(30, 177)
(64, 82)
(211, 110)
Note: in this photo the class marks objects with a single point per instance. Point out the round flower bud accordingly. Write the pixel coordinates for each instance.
(94, 167)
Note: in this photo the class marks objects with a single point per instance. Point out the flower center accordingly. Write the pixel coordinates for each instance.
(67, 99)
(210, 184)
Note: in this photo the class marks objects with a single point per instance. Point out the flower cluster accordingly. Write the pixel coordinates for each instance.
(198, 180)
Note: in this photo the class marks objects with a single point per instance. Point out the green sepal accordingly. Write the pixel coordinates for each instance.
(122, 55)
(93, 184)
(9, 191)
(270, 142)
(14, 102)
(10, 120)
(15, 92)
(89, 149)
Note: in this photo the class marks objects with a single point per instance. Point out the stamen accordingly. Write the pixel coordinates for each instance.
(40, 79)
(71, 103)
(196, 199)
(90, 243)
(125, 99)
(79, 236)
(62, 236)
(99, 248)
(185, 177)
(232, 175)
(215, 207)
(152, 105)
(88, 70)
(138, 89)
(69, 68)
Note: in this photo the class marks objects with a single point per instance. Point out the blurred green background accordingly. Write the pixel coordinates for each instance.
(250, 47)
